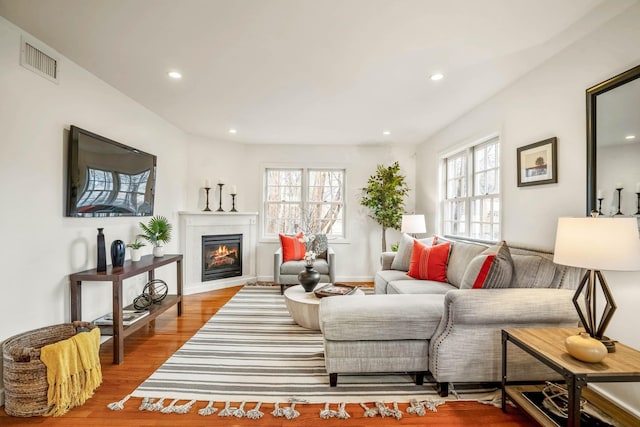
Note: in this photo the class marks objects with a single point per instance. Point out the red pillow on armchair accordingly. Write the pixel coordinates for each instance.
(292, 248)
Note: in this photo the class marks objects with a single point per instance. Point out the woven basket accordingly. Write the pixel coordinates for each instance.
(25, 376)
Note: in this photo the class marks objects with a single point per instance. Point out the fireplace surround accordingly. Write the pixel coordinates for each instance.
(194, 225)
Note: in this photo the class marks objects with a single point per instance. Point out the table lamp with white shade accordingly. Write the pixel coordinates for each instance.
(597, 244)
(413, 224)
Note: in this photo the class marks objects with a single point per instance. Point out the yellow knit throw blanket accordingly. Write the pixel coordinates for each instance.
(73, 371)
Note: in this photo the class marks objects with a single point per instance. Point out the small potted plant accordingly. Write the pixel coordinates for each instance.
(135, 249)
(157, 232)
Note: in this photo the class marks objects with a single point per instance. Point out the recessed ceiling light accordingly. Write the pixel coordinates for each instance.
(436, 76)
(233, 131)
(174, 75)
(386, 132)
(630, 137)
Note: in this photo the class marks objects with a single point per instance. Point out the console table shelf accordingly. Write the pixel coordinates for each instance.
(116, 276)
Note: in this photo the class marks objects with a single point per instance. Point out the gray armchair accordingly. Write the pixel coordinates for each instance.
(286, 273)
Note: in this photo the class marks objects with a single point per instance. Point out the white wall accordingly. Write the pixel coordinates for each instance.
(549, 101)
(40, 246)
(243, 166)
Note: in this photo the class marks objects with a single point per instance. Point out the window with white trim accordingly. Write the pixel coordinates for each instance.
(308, 199)
(471, 205)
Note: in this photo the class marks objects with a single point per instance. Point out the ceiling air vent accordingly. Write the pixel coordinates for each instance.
(39, 59)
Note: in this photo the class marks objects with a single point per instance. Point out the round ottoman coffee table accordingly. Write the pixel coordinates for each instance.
(303, 306)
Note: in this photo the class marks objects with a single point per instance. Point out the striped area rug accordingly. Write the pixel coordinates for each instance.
(251, 350)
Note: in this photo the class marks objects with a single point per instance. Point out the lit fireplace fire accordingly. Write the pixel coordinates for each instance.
(222, 255)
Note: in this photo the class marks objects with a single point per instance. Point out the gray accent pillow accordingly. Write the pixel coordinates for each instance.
(493, 268)
(402, 260)
(320, 246)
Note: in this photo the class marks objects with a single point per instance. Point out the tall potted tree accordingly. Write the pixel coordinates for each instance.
(156, 232)
(384, 196)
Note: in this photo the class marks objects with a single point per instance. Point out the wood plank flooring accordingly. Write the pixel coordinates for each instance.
(148, 348)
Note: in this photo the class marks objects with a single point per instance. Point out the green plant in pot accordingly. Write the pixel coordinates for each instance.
(157, 232)
(135, 249)
(384, 196)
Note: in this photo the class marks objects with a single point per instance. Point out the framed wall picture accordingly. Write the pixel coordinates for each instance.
(538, 163)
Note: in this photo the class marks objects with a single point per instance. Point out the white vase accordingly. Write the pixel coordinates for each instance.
(135, 255)
(158, 251)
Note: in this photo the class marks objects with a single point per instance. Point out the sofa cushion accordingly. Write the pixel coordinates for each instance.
(295, 267)
(532, 271)
(402, 259)
(292, 248)
(429, 262)
(461, 255)
(387, 317)
(418, 287)
(383, 277)
(493, 268)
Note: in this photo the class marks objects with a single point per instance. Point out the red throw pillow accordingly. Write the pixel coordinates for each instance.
(429, 262)
(292, 248)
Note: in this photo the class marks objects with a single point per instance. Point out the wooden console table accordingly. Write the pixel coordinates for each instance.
(116, 276)
(547, 345)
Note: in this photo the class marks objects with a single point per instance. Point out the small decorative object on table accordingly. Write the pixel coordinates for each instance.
(156, 232)
(135, 250)
(308, 278)
(585, 348)
(334, 289)
(102, 252)
(118, 250)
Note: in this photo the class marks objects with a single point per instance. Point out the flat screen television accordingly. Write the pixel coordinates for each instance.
(106, 178)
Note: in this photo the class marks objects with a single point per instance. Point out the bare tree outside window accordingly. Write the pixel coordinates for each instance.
(309, 200)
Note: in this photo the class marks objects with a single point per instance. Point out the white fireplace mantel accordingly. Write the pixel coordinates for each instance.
(194, 225)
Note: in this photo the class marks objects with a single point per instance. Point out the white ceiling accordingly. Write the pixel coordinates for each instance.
(310, 71)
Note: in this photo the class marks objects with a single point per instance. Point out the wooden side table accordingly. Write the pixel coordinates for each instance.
(116, 276)
(547, 345)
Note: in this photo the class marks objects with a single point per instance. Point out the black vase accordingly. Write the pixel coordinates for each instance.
(117, 253)
(308, 278)
(102, 252)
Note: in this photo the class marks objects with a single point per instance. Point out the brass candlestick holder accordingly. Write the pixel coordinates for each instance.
(220, 207)
(206, 209)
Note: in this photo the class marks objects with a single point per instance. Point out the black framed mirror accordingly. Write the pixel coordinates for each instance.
(613, 145)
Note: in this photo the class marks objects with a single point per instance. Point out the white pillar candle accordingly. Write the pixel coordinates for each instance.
(619, 186)
(233, 189)
(600, 194)
(207, 184)
(220, 181)
(638, 187)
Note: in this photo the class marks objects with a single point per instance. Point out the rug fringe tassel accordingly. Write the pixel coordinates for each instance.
(369, 412)
(184, 408)
(327, 413)
(227, 411)
(290, 412)
(255, 414)
(432, 405)
(388, 412)
(416, 408)
(208, 410)
(155, 407)
(169, 409)
(342, 413)
(277, 410)
(239, 413)
(118, 406)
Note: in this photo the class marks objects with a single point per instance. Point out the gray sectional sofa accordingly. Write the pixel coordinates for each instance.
(421, 326)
